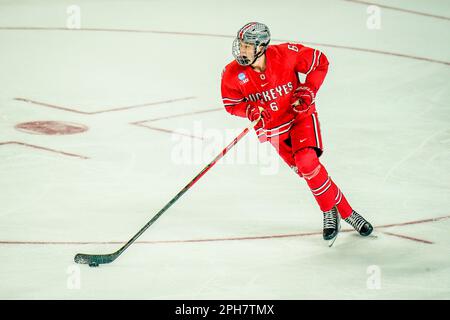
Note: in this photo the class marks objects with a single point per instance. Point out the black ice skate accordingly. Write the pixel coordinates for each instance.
(331, 225)
(360, 224)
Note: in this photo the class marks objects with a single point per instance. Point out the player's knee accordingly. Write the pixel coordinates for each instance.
(306, 161)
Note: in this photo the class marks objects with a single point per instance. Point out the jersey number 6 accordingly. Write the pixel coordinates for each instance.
(273, 106)
(293, 47)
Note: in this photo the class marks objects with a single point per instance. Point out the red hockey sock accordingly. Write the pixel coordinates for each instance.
(316, 177)
(342, 204)
(325, 191)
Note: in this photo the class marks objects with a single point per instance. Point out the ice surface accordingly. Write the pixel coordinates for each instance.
(386, 129)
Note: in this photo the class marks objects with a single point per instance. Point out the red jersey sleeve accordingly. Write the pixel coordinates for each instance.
(311, 62)
(234, 101)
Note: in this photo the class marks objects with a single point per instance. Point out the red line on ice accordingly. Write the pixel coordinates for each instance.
(177, 115)
(101, 111)
(414, 222)
(400, 9)
(167, 131)
(408, 56)
(43, 148)
(407, 237)
(305, 234)
(142, 122)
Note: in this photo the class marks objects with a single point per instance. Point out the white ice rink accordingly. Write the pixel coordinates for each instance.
(138, 76)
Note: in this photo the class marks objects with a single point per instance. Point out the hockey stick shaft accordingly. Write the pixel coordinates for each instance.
(82, 258)
(188, 186)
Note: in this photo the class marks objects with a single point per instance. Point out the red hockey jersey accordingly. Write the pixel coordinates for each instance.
(242, 85)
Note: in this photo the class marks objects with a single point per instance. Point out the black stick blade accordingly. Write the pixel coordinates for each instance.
(94, 260)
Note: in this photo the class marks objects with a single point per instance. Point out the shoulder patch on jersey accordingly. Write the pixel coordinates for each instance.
(232, 73)
(242, 77)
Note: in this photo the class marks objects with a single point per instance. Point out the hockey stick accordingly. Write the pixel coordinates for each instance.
(96, 259)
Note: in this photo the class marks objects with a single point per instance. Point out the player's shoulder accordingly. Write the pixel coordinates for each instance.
(232, 68)
(232, 71)
(285, 48)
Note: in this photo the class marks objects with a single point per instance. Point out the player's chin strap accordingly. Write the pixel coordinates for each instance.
(257, 55)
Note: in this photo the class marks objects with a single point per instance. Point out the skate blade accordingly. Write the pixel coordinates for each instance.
(372, 236)
(332, 241)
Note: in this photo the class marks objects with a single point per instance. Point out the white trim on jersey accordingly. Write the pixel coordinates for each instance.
(233, 100)
(276, 128)
(318, 58)
(313, 62)
(228, 102)
(278, 133)
(316, 131)
(273, 132)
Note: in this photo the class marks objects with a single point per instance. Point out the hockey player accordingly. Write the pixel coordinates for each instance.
(263, 82)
